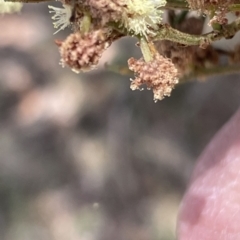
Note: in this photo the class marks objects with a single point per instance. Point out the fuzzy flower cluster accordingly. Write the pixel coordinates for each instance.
(9, 7)
(61, 17)
(159, 74)
(81, 52)
(145, 16)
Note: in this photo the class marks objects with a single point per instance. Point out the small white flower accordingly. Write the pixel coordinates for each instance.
(9, 7)
(142, 14)
(61, 16)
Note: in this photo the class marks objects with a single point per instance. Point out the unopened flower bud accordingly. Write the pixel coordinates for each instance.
(82, 52)
(160, 75)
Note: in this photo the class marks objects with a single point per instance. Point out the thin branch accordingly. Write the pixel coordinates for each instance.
(203, 73)
(176, 4)
(228, 31)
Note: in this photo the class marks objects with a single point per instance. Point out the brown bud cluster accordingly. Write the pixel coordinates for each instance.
(82, 52)
(160, 75)
(207, 4)
(106, 10)
(218, 7)
(187, 59)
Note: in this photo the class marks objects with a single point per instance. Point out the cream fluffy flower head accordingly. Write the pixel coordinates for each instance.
(142, 16)
(9, 7)
(61, 16)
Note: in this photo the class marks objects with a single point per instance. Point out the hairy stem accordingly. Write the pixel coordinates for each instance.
(166, 32)
(146, 51)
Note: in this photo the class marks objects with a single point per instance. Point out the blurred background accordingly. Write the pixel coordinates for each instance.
(82, 157)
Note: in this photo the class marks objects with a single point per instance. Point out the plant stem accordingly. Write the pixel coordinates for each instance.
(234, 8)
(203, 73)
(166, 32)
(182, 4)
(146, 51)
(176, 4)
(86, 23)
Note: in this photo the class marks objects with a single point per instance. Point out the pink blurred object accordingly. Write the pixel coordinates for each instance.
(210, 209)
